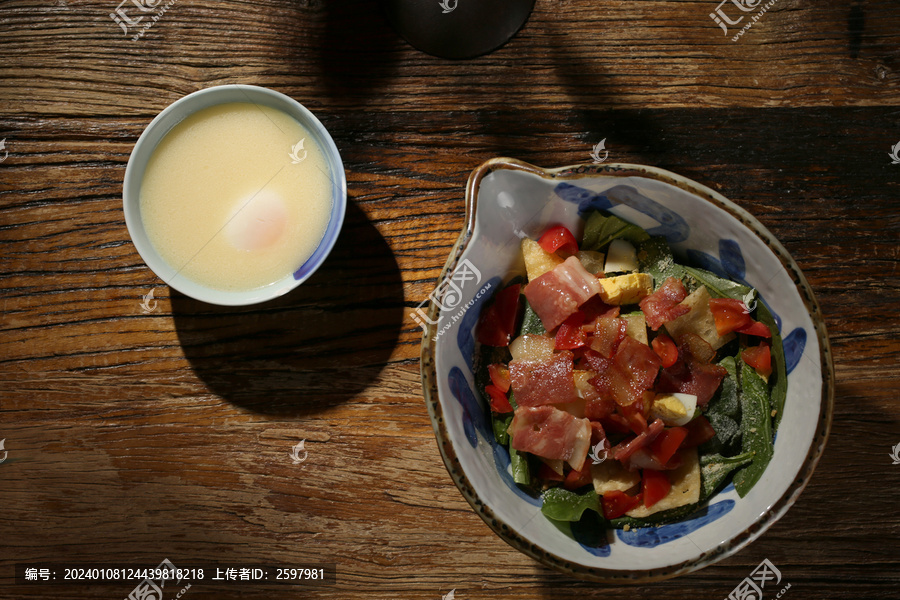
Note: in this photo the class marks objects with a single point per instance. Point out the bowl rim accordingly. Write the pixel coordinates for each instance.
(451, 461)
(166, 120)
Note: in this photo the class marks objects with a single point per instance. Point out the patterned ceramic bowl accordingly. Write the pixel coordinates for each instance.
(508, 199)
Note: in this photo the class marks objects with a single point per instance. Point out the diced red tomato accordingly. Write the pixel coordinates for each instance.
(760, 358)
(570, 336)
(730, 314)
(497, 322)
(616, 503)
(545, 473)
(578, 479)
(699, 431)
(666, 444)
(559, 238)
(499, 376)
(654, 487)
(756, 328)
(666, 349)
(499, 402)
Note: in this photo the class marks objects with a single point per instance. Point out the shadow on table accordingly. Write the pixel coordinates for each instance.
(318, 345)
(592, 90)
(358, 49)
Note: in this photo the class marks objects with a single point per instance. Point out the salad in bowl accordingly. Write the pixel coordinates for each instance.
(628, 376)
(623, 382)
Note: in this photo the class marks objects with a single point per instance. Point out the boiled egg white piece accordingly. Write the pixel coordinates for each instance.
(674, 409)
(621, 257)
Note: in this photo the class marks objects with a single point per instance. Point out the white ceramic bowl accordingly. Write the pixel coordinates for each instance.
(169, 118)
(509, 199)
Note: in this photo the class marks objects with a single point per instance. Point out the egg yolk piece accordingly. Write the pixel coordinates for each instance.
(259, 223)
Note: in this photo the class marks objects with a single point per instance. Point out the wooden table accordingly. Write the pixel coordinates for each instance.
(134, 437)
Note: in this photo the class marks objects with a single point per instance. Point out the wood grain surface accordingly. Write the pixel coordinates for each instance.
(134, 437)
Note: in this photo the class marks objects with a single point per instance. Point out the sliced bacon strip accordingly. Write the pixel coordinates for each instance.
(691, 377)
(663, 305)
(594, 361)
(643, 459)
(558, 293)
(626, 448)
(551, 381)
(596, 308)
(633, 370)
(598, 435)
(551, 433)
(692, 373)
(598, 407)
(608, 334)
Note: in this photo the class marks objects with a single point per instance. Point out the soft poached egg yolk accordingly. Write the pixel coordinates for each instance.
(258, 224)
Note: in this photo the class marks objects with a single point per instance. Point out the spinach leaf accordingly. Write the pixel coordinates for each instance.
(724, 414)
(655, 258)
(531, 322)
(715, 468)
(601, 229)
(562, 505)
(660, 518)
(521, 472)
(718, 287)
(756, 429)
(778, 378)
(501, 424)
